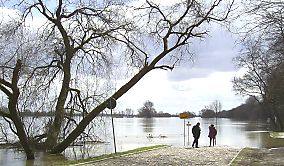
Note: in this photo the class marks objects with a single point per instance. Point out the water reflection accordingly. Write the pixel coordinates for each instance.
(44, 159)
(87, 150)
(132, 133)
(147, 124)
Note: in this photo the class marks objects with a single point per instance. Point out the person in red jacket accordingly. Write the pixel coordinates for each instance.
(212, 134)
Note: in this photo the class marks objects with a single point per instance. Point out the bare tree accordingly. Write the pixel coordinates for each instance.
(216, 106)
(147, 110)
(129, 112)
(11, 69)
(262, 56)
(83, 36)
(171, 31)
(22, 51)
(259, 65)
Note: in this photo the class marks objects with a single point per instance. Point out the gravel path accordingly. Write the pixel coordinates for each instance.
(173, 156)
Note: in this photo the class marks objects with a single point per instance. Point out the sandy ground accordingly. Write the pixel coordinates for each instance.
(219, 155)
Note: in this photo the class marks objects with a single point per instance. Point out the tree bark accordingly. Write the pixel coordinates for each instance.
(20, 129)
(12, 106)
(55, 128)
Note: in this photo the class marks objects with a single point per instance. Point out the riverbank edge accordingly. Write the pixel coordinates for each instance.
(151, 148)
(244, 156)
(118, 154)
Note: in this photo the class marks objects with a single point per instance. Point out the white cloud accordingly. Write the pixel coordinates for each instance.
(34, 22)
(178, 96)
(191, 87)
(7, 14)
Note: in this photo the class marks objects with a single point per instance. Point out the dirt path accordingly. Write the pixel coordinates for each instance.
(173, 156)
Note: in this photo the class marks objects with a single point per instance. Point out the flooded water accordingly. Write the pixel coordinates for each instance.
(131, 133)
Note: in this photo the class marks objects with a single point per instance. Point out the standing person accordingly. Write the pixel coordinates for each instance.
(212, 134)
(196, 134)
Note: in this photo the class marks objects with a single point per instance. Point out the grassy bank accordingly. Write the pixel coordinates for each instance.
(276, 134)
(248, 156)
(262, 156)
(106, 156)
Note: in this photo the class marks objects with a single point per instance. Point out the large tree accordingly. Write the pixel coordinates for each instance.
(20, 50)
(148, 37)
(170, 29)
(83, 34)
(257, 80)
(262, 57)
(148, 110)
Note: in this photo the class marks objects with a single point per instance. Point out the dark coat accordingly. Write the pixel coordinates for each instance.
(196, 131)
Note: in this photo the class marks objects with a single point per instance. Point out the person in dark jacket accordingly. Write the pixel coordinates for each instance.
(212, 134)
(196, 134)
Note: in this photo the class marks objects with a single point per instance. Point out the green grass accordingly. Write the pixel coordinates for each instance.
(106, 156)
(248, 156)
(276, 134)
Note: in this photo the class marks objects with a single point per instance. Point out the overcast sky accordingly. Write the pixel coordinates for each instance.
(191, 87)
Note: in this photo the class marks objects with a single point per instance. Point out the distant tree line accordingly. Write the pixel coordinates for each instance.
(148, 111)
(250, 110)
(207, 113)
(212, 110)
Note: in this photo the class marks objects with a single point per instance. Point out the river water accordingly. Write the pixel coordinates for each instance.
(131, 133)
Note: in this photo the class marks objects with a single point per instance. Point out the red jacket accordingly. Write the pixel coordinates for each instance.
(212, 132)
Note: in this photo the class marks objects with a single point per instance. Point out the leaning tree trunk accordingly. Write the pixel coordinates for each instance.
(84, 122)
(12, 106)
(20, 129)
(55, 128)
